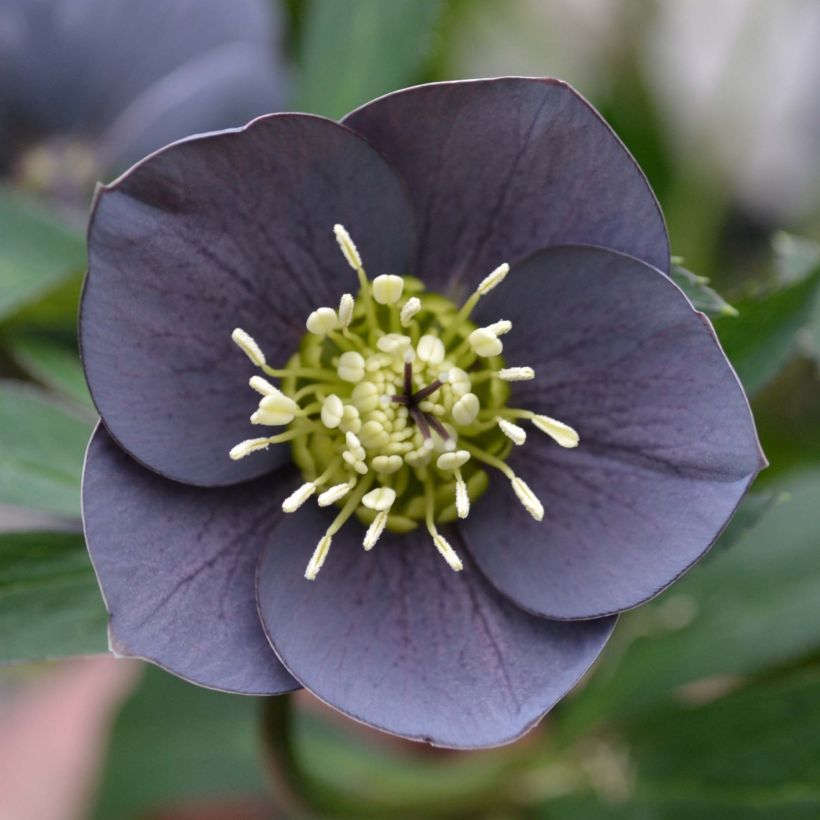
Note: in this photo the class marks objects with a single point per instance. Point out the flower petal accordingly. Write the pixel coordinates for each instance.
(500, 168)
(233, 229)
(667, 441)
(176, 568)
(397, 640)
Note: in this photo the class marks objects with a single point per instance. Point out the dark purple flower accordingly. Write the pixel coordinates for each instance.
(398, 407)
(87, 87)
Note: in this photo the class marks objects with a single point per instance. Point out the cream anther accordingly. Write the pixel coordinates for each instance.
(516, 434)
(430, 349)
(322, 321)
(493, 280)
(262, 386)
(500, 327)
(248, 346)
(386, 465)
(452, 460)
(332, 411)
(351, 421)
(394, 343)
(374, 531)
(459, 381)
(335, 493)
(351, 367)
(466, 409)
(365, 396)
(411, 307)
(447, 552)
(298, 497)
(318, 558)
(485, 343)
(373, 435)
(462, 498)
(275, 410)
(380, 499)
(346, 307)
(388, 288)
(245, 448)
(528, 498)
(347, 246)
(516, 374)
(561, 433)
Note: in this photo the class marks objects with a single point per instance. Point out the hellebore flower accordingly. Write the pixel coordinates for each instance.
(453, 306)
(88, 87)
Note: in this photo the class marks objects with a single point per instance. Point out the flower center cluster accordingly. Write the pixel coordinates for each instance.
(396, 406)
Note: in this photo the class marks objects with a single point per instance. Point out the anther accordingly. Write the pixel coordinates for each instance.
(493, 279)
(351, 367)
(411, 307)
(248, 346)
(458, 380)
(500, 327)
(262, 386)
(447, 552)
(336, 493)
(346, 307)
(452, 460)
(332, 412)
(274, 410)
(388, 288)
(561, 433)
(386, 465)
(318, 557)
(528, 498)
(394, 343)
(348, 247)
(381, 499)
(375, 530)
(298, 497)
(485, 343)
(516, 374)
(245, 448)
(322, 321)
(516, 434)
(466, 409)
(430, 349)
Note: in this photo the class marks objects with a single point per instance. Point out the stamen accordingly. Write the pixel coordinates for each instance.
(322, 321)
(336, 493)
(332, 412)
(318, 558)
(484, 287)
(388, 288)
(298, 497)
(387, 465)
(346, 307)
(528, 498)
(466, 409)
(430, 349)
(411, 307)
(453, 460)
(381, 499)
(248, 346)
(485, 343)
(245, 448)
(274, 410)
(394, 343)
(375, 530)
(493, 280)
(561, 433)
(348, 248)
(462, 497)
(516, 374)
(441, 543)
(262, 386)
(500, 327)
(351, 367)
(518, 435)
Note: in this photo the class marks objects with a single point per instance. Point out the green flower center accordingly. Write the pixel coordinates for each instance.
(396, 406)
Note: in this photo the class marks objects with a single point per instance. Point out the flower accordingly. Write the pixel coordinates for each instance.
(493, 555)
(89, 87)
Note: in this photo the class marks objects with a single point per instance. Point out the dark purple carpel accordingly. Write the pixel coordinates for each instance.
(668, 444)
(176, 565)
(233, 229)
(500, 168)
(396, 639)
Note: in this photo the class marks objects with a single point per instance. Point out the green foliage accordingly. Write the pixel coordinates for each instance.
(42, 447)
(697, 288)
(50, 604)
(354, 51)
(37, 252)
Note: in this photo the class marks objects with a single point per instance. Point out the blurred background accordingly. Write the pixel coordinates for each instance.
(707, 701)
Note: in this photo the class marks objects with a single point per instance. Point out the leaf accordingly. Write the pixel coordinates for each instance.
(749, 607)
(54, 365)
(50, 604)
(175, 742)
(795, 256)
(702, 297)
(37, 252)
(360, 49)
(761, 340)
(42, 447)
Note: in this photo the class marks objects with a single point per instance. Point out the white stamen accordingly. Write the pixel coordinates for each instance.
(411, 307)
(275, 410)
(386, 465)
(452, 460)
(318, 558)
(380, 499)
(516, 374)
(248, 346)
(462, 498)
(349, 249)
(335, 493)
(373, 435)
(500, 327)
(561, 433)
(388, 288)
(430, 349)
(459, 381)
(494, 279)
(466, 409)
(332, 411)
(298, 497)
(374, 531)
(322, 321)
(447, 552)
(346, 306)
(365, 396)
(528, 498)
(351, 367)
(518, 435)
(393, 343)
(351, 422)
(485, 343)
(245, 448)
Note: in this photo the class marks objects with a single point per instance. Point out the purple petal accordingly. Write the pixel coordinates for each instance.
(500, 168)
(668, 444)
(396, 639)
(176, 567)
(229, 230)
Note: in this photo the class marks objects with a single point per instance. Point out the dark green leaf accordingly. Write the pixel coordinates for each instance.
(42, 447)
(360, 49)
(50, 604)
(704, 298)
(37, 252)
